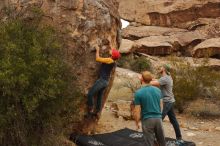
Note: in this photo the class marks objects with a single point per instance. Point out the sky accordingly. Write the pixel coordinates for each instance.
(124, 23)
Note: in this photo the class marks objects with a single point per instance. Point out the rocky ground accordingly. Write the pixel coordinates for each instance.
(204, 132)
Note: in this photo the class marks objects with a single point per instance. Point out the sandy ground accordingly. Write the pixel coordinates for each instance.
(201, 131)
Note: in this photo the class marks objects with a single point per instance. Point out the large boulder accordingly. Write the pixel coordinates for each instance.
(125, 84)
(82, 24)
(208, 48)
(167, 44)
(167, 13)
(126, 46)
(155, 45)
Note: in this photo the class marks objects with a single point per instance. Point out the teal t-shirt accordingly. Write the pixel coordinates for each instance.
(148, 98)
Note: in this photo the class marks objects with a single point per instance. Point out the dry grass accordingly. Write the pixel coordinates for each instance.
(193, 82)
(204, 108)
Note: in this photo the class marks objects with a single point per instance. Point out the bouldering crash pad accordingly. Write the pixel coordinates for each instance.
(123, 137)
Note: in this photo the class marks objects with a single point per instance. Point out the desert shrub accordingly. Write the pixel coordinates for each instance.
(191, 83)
(206, 112)
(35, 95)
(135, 63)
(141, 64)
(132, 84)
(204, 108)
(124, 61)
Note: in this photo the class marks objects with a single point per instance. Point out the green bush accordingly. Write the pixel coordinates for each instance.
(191, 82)
(124, 61)
(35, 84)
(141, 64)
(137, 64)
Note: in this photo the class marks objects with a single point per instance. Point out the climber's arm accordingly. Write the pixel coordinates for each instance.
(102, 59)
(155, 83)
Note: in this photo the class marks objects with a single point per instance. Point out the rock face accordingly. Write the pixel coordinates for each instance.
(210, 47)
(155, 45)
(170, 27)
(168, 12)
(126, 46)
(166, 45)
(154, 40)
(82, 24)
(122, 109)
(124, 85)
(135, 33)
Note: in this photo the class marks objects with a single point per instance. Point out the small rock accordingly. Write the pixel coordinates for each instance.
(114, 106)
(194, 128)
(125, 114)
(217, 128)
(183, 125)
(122, 109)
(200, 143)
(190, 134)
(204, 128)
(211, 128)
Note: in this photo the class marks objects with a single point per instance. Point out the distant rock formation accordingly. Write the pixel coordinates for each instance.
(168, 12)
(209, 47)
(166, 27)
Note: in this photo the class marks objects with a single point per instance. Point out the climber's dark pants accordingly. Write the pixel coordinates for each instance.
(97, 89)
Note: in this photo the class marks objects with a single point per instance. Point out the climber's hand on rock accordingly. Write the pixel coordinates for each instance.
(97, 48)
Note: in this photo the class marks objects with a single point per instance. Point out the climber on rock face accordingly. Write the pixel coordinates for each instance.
(100, 85)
